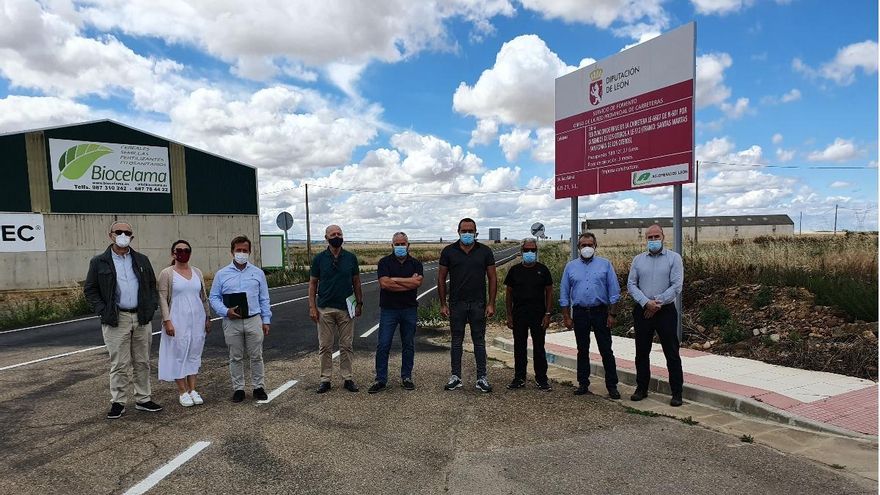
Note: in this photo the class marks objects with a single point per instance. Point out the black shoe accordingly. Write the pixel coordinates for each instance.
(323, 387)
(545, 386)
(350, 386)
(516, 383)
(676, 401)
(583, 390)
(148, 406)
(407, 384)
(117, 409)
(638, 395)
(613, 394)
(376, 388)
(260, 394)
(238, 396)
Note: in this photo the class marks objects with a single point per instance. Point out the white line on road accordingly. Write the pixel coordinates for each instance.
(335, 355)
(87, 349)
(48, 325)
(376, 327)
(278, 391)
(157, 476)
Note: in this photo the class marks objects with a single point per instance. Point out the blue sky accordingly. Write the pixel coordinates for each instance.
(409, 115)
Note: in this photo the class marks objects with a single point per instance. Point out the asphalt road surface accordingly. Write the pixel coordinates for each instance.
(55, 438)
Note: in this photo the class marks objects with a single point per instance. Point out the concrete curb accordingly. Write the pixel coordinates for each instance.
(702, 395)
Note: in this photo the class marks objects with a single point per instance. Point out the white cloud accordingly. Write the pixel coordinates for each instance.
(719, 7)
(777, 138)
(545, 145)
(840, 150)
(716, 149)
(784, 155)
(848, 60)
(515, 142)
(515, 90)
(738, 109)
(484, 133)
(30, 112)
(721, 151)
(839, 184)
(711, 89)
(793, 95)
(604, 13)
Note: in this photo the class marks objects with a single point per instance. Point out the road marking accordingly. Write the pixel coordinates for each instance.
(278, 391)
(376, 327)
(157, 476)
(87, 349)
(335, 355)
(48, 325)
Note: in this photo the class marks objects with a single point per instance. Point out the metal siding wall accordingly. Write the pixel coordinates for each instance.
(218, 186)
(16, 191)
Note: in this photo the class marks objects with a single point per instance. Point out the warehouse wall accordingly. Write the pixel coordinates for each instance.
(73, 239)
(613, 237)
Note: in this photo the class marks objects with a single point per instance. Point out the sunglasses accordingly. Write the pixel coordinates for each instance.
(126, 232)
(183, 250)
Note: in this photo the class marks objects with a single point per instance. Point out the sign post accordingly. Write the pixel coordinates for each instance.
(284, 221)
(627, 123)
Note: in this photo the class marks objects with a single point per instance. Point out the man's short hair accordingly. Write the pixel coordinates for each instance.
(528, 240)
(240, 240)
(466, 220)
(588, 235)
(117, 222)
(400, 234)
(327, 230)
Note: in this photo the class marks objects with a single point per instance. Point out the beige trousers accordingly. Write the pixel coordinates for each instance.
(129, 348)
(335, 323)
(245, 338)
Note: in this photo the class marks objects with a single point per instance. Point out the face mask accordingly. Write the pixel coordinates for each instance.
(335, 242)
(123, 240)
(529, 257)
(400, 251)
(655, 246)
(241, 258)
(467, 239)
(183, 257)
(587, 252)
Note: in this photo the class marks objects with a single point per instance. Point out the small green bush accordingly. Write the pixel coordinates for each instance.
(763, 298)
(714, 314)
(732, 332)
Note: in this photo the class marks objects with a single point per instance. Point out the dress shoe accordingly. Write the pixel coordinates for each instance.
(583, 390)
(676, 401)
(638, 395)
(350, 386)
(613, 393)
(238, 396)
(323, 387)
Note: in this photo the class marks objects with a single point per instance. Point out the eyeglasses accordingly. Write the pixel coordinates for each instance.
(126, 232)
(183, 250)
(530, 250)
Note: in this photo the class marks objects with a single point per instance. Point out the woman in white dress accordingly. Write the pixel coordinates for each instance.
(186, 321)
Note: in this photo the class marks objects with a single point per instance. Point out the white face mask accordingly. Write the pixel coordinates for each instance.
(123, 240)
(587, 252)
(241, 258)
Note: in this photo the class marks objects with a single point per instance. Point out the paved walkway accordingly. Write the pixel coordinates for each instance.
(839, 402)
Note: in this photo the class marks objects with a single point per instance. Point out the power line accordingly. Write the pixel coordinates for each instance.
(791, 167)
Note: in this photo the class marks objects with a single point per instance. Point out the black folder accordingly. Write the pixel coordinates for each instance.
(237, 299)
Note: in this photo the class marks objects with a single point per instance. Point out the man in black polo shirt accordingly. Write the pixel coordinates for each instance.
(400, 276)
(529, 297)
(334, 276)
(468, 263)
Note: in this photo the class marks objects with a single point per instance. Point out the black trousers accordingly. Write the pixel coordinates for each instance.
(597, 320)
(523, 323)
(664, 323)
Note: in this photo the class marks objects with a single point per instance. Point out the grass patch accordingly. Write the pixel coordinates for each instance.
(763, 297)
(641, 412)
(22, 314)
(714, 314)
(689, 421)
(732, 332)
(290, 276)
(429, 315)
(746, 439)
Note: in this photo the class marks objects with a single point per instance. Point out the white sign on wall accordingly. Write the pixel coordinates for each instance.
(22, 232)
(93, 166)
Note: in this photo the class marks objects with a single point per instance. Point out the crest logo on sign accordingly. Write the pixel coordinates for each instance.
(596, 86)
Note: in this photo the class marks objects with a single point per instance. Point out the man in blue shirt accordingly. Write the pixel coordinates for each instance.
(588, 290)
(400, 276)
(244, 333)
(654, 282)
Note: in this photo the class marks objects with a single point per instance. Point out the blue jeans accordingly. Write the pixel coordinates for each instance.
(389, 319)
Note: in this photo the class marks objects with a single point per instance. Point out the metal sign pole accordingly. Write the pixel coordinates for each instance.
(574, 227)
(677, 231)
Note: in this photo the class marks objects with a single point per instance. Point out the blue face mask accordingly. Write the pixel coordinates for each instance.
(467, 238)
(529, 257)
(400, 251)
(655, 246)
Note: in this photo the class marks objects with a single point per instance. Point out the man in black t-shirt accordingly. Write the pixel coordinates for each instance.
(529, 296)
(468, 264)
(400, 276)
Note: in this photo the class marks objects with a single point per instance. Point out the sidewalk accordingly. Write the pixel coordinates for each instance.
(809, 399)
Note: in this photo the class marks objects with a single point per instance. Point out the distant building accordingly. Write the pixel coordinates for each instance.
(495, 235)
(719, 228)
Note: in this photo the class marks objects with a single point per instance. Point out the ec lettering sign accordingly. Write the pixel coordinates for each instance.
(21, 232)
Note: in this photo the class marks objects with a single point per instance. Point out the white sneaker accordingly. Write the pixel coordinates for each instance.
(185, 400)
(196, 398)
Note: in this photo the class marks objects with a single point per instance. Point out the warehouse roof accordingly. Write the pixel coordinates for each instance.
(716, 221)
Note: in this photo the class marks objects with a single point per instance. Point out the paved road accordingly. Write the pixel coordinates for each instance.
(55, 439)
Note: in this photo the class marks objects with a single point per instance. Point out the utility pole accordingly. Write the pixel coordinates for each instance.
(835, 219)
(308, 228)
(696, 202)
(801, 225)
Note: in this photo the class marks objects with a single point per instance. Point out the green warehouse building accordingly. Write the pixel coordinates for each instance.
(64, 186)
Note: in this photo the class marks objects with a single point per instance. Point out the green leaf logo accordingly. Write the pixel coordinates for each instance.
(643, 178)
(75, 161)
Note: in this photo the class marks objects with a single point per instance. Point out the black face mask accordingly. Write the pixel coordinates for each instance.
(335, 242)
